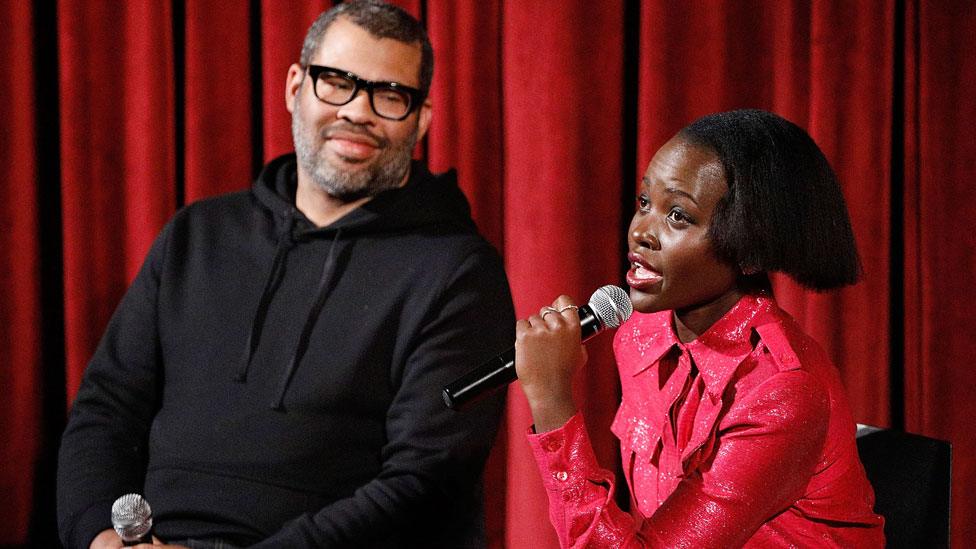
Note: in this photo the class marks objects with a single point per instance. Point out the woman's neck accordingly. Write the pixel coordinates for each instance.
(691, 322)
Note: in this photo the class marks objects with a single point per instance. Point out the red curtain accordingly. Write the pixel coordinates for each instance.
(562, 118)
(118, 155)
(118, 113)
(939, 245)
(797, 60)
(218, 126)
(20, 270)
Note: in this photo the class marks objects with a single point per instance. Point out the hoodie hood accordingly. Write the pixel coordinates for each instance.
(425, 201)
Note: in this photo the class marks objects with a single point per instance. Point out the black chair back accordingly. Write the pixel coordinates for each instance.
(910, 475)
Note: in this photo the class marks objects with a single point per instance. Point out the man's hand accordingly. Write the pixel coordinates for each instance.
(158, 544)
(106, 539)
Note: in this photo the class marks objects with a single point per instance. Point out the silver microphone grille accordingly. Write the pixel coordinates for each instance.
(612, 305)
(131, 517)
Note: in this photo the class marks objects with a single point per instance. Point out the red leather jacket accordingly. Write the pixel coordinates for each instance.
(742, 437)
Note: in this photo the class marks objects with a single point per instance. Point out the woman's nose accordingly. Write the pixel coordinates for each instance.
(644, 236)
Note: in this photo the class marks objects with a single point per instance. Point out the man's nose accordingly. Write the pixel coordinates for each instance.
(357, 111)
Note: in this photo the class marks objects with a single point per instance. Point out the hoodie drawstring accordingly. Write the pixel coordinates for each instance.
(285, 243)
(325, 283)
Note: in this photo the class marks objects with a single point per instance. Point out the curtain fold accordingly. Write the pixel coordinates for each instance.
(20, 306)
(117, 156)
(218, 91)
(939, 243)
(550, 112)
(283, 26)
(563, 158)
(467, 130)
(850, 118)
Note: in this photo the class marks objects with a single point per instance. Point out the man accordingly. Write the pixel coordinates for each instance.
(273, 375)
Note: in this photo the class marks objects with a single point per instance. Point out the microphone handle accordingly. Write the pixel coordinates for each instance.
(500, 370)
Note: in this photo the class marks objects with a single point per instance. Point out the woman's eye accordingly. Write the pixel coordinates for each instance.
(643, 203)
(678, 216)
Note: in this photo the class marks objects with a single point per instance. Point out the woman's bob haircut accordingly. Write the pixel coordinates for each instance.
(784, 210)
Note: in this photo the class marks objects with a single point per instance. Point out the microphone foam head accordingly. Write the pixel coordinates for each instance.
(131, 517)
(611, 305)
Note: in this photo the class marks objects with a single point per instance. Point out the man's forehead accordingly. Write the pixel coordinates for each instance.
(348, 46)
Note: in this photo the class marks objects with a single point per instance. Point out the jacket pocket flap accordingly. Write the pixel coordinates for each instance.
(637, 433)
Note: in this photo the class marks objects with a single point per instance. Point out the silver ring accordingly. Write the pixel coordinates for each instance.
(559, 310)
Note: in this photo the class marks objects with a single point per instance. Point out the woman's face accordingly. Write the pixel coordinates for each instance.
(672, 262)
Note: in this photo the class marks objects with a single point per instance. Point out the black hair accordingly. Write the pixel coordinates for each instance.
(381, 20)
(784, 210)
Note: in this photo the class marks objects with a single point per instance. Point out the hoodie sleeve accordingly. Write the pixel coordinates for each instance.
(429, 483)
(103, 448)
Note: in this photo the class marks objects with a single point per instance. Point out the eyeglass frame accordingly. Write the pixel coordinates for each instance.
(416, 97)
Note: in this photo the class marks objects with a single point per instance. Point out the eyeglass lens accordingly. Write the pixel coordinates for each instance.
(337, 89)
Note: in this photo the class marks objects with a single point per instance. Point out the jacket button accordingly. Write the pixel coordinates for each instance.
(561, 476)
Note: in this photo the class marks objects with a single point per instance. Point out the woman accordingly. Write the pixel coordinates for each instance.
(733, 424)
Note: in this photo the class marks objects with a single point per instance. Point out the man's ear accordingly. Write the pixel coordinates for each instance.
(293, 83)
(423, 122)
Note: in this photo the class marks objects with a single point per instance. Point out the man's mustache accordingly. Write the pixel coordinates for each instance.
(348, 127)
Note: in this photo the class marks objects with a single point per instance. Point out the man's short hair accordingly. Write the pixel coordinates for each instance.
(784, 210)
(381, 20)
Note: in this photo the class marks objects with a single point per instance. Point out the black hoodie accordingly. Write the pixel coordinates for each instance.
(264, 380)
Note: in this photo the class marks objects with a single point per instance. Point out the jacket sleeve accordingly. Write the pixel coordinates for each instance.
(103, 448)
(777, 431)
(581, 493)
(429, 483)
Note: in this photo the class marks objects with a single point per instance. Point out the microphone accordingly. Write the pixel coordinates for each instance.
(132, 519)
(609, 307)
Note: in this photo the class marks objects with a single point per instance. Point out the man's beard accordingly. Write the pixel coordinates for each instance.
(386, 171)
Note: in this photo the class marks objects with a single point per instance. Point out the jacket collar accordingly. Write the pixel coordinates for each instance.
(717, 352)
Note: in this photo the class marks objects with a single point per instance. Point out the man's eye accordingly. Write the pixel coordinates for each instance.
(337, 82)
(391, 97)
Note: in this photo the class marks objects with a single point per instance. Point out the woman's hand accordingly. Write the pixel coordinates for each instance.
(548, 352)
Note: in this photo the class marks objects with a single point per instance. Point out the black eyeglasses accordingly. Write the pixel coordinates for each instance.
(390, 100)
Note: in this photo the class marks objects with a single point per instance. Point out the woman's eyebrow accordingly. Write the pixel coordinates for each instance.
(679, 192)
(671, 190)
